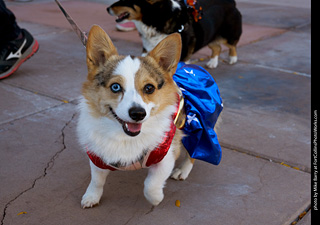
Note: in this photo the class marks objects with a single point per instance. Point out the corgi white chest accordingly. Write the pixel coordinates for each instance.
(149, 35)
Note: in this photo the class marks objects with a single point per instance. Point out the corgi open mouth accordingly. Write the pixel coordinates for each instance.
(131, 129)
(122, 17)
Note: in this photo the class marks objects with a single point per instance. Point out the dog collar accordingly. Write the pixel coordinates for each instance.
(153, 156)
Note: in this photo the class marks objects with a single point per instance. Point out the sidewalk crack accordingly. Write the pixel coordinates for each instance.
(48, 166)
(265, 157)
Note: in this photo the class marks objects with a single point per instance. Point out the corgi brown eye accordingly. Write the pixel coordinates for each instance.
(115, 88)
(149, 89)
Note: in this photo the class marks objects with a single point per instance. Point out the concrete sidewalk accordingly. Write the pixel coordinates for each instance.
(264, 175)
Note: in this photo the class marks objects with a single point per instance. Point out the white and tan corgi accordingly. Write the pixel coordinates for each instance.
(127, 112)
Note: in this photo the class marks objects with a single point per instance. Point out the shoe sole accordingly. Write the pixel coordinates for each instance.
(26, 55)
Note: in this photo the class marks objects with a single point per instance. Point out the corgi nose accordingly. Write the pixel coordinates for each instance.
(137, 113)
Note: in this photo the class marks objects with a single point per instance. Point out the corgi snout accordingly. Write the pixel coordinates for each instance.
(137, 113)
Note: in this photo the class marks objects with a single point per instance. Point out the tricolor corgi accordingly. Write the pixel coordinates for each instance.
(127, 115)
(200, 23)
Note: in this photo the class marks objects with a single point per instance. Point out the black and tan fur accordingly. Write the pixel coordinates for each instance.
(155, 19)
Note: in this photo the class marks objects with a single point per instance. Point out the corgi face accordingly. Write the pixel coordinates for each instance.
(127, 89)
(125, 10)
(131, 9)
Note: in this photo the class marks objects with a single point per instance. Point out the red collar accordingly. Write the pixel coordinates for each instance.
(150, 158)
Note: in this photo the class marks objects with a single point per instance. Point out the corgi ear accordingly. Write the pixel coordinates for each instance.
(167, 53)
(99, 47)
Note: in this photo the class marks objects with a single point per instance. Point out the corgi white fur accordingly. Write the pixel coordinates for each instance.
(126, 109)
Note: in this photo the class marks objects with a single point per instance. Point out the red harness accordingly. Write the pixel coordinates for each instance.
(150, 158)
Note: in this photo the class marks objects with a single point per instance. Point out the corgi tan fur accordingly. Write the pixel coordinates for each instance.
(126, 109)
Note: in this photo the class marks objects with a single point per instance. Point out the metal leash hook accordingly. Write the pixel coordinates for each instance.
(81, 34)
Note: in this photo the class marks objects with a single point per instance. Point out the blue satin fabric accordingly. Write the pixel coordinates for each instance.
(203, 105)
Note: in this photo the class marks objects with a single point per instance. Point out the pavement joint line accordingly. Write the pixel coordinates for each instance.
(62, 101)
(264, 157)
(40, 111)
(298, 216)
(283, 70)
(27, 115)
(301, 215)
(58, 31)
(53, 33)
(299, 26)
(280, 32)
(257, 65)
(39, 93)
(49, 165)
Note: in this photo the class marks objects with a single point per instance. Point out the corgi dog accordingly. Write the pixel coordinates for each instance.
(200, 23)
(127, 115)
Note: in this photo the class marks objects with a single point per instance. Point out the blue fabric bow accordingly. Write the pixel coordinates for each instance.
(203, 105)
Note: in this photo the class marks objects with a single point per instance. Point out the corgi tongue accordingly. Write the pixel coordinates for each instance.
(133, 127)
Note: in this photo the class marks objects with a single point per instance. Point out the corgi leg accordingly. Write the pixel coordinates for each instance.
(95, 188)
(214, 59)
(156, 179)
(184, 170)
(233, 58)
(190, 51)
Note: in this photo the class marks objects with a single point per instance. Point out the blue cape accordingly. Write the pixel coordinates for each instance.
(203, 105)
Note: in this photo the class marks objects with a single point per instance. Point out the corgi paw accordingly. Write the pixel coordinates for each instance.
(90, 200)
(154, 196)
(213, 62)
(179, 174)
(233, 60)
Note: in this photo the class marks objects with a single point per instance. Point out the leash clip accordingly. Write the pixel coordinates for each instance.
(181, 29)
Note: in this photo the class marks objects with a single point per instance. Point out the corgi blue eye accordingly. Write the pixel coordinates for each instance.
(115, 88)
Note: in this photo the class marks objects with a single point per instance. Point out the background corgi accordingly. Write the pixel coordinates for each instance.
(206, 23)
(127, 111)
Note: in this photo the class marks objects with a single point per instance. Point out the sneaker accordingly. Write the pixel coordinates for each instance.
(16, 52)
(126, 26)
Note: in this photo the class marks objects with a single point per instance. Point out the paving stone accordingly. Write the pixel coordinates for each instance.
(27, 147)
(273, 15)
(289, 51)
(49, 14)
(306, 220)
(85, 14)
(265, 133)
(266, 112)
(57, 70)
(250, 34)
(260, 192)
(17, 103)
(292, 3)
